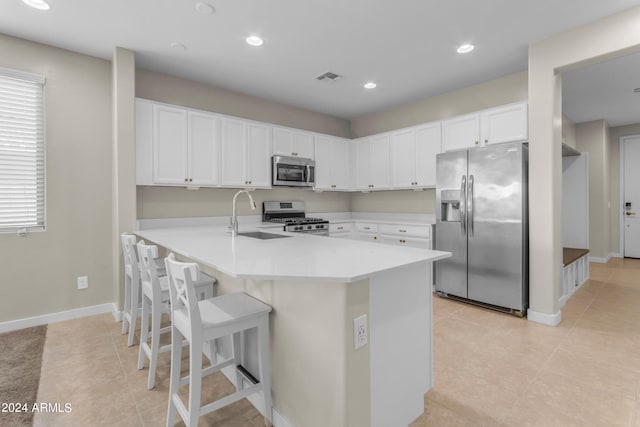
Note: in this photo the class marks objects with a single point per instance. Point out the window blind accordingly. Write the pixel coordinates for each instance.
(22, 167)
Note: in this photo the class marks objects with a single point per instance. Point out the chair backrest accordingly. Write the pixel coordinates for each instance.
(182, 293)
(148, 267)
(129, 252)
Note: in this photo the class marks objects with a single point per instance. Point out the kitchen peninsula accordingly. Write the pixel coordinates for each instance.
(317, 286)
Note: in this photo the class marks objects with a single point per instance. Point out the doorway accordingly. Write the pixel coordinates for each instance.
(630, 196)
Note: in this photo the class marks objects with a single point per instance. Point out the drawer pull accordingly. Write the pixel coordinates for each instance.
(402, 231)
(340, 228)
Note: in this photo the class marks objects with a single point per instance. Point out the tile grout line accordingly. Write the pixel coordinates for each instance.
(115, 348)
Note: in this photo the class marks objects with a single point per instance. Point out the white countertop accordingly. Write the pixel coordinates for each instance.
(298, 257)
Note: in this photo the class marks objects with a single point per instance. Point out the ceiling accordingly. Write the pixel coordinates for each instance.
(603, 91)
(406, 46)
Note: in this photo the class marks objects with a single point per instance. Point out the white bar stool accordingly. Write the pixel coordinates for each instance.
(155, 300)
(131, 285)
(202, 322)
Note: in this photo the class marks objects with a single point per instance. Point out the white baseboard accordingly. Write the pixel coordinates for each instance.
(616, 255)
(599, 259)
(44, 319)
(117, 314)
(543, 318)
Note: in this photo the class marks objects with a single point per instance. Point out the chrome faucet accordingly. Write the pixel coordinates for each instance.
(233, 226)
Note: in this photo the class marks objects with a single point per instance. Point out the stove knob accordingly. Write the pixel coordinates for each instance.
(297, 228)
(309, 227)
(319, 226)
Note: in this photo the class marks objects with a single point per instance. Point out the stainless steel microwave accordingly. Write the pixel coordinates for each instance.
(293, 172)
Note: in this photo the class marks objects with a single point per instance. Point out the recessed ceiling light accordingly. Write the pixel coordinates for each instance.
(254, 41)
(37, 4)
(205, 8)
(370, 85)
(465, 48)
(178, 46)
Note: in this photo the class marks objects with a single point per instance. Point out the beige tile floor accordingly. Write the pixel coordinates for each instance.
(490, 369)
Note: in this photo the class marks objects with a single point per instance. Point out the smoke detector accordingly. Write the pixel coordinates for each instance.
(328, 77)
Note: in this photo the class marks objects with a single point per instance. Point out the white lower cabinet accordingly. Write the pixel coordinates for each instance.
(343, 230)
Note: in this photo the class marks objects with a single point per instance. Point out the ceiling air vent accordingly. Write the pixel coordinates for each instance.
(328, 77)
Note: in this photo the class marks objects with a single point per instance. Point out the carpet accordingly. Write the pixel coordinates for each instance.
(20, 364)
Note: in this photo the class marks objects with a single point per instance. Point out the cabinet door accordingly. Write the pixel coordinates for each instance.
(282, 141)
(324, 154)
(169, 145)
(461, 132)
(144, 142)
(403, 159)
(362, 162)
(303, 144)
(258, 155)
(341, 171)
(380, 161)
(504, 124)
(428, 145)
(203, 148)
(233, 152)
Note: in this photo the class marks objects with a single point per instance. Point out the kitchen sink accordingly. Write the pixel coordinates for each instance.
(262, 235)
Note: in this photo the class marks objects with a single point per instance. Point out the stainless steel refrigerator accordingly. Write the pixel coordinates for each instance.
(481, 218)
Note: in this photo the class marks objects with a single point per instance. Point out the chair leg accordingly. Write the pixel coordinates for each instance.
(127, 303)
(156, 314)
(264, 363)
(135, 295)
(236, 354)
(195, 380)
(144, 330)
(174, 376)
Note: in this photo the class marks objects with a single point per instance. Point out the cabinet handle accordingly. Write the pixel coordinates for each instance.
(375, 237)
(402, 231)
(486, 141)
(186, 180)
(476, 142)
(340, 228)
(367, 228)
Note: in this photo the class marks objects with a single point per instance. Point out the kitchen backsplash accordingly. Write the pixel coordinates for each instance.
(170, 202)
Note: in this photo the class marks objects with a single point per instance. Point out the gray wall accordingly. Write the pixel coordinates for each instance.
(39, 272)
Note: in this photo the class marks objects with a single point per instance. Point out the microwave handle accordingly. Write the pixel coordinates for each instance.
(307, 170)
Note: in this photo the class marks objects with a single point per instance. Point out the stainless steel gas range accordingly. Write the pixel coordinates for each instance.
(292, 216)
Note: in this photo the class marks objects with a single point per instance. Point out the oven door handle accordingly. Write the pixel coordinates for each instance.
(307, 172)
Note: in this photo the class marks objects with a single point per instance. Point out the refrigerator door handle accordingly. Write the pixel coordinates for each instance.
(463, 205)
(470, 205)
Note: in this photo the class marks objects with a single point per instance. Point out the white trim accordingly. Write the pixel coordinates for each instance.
(117, 314)
(600, 259)
(615, 255)
(544, 318)
(44, 319)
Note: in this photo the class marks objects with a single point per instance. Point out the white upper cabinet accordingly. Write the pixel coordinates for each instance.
(292, 142)
(428, 145)
(204, 148)
(413, 156)
(175, 146)
(170, 151)
(461, 132)
(245, 154)
(333, 160)
(507, 123)
(504, 124)
(372, 163)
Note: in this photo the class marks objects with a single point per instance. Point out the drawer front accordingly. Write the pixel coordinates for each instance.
(412, 242)
(364, 227)
(407, 230)
(342, 227)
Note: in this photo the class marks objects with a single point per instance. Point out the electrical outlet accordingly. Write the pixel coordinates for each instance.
(83, 282)
(360, 331)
